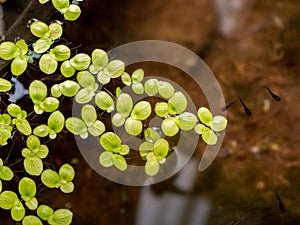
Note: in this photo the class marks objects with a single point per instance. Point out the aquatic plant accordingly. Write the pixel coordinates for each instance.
(82, 75)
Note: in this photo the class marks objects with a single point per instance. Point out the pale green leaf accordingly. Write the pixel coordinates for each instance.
(32, 204)
(33, 165)
(60, 4)
(50, 178)
(161, 109)
(151, 135)
(137, 76)
(86, 79)
(39, 29)
(110, 142)
(103, 78)
(61, 217)
(219, 123)
(88, 114)
(73, 12)
(37, 91)
(67, 188)
(33, 143)
(169, 127)
(106, 159)
(118, 120)
(76, 126)
(97, 128)
(115, 68)
(99, 59)
(145, 148)
(124, 104)
(151, 167)
(198, 128)
(50, 104)
(119, 162)
(205, 116)
(7, 50)
(66, 69)
(55, 30)
(69, 88)
(85, 95)
(14, 110)
(19, 65)
(56, 121)
(66, 172)
(6, 173)
(23, 47)
(43, 152)
(42, 45)
(133, 127)
(137, 88)
(151, 87)
(17, 211)
(161, 149)
(23, 126)
(44, 212)
(32, 220)
(165, 89)
(124, 149)
(187, 121)
(177, 103)
(8, 199)
(41, 130)
(126, 79)
(141, 110)
(81, 61)
(104, 101)
(27, 188)
(208, 136)
(5, 85)
(48, 64)
(60, 52)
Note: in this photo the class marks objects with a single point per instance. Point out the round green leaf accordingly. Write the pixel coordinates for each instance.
(66, 69)
(151, 87)
(161, 109)
(80, 61)
(104, 101)
(33, 143)
(56, 121)
(141, 110)
(177, 103)
(55, 91)
(187, 121)
(99, 59)
(126, 79)
(114, 68)
(7, 50)
(50, 178)
(23, 126)
(133, 127)
(124, 149)
(161, 149)
(198, 128)
(14, 110)
(44, 212)
(37, 91)
(85, 95)
(33, 165)
(17, 212)
(7, 199)
(119, 162)
(73, 12)
(5, 134)
(110, 142)
(208, 136)
(137, 76)
(61, 217)
(32, 204)
(50, 104)
(103, 78)
(151, 167)
(39, 29)
(42, 45)
(165, 89)
(124, 104)
(118, 120)
(43, 152)
(67, 188)
(151, 135)
(41, 130)
(19, 65)
(60, 5)
(205, 116)
(76, 126)
(97, 128)
(5, 85)
(169, 127)
(69, 88)
(48, 64)
(27, 188)
(137, 88)
(88, 114)
(60, 52)
(22, 46)
(66, 172)
(31, 220)
(6, 173)
(86, 79)
(219, 123)
(106, 159)
(55, 30)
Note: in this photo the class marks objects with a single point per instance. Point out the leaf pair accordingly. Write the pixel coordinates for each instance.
(135, 80)
(87, 125)
(104, 69)
(20, 119)
(34, 153)
(5, 173)
(67, 88)
(38, 94)
(57, 217)
(80, 61)
(5, 128)
(163, 88)
(17, 53)
(10, 201)
(62, 179)
(27, 190)
(88, 83)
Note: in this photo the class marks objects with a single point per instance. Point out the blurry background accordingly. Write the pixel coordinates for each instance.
(248, 44)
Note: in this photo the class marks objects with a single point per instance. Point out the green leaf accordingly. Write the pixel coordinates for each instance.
(42, 45)
(37, 91)
(60, 52)
(133, 127)
(80, 61)
(151, 135)
(104, 101)
(7, 50)
(137, 76)
(103, 78)
(73, 12)
(8, 199)
(6, 173)
(31, 220)
(33, 143)
(56, 121)
(219, 123)
(169, 127)
(97, 128)
(88, 114)
(60, 5)
(50, 104)
(137, 88)
(66, 172)
(205, 116)
(106, 159)
(66, 69)
(198, 128)
(118, 120)
(165, 89)
(55, 30)
(151, 87)
(14, 110)
(187, 121)
(39, 29)
(126, 79)
(151, 167)
(69, 88)
(5, 85)
(141, 110)
(19, 65)
(27, 188)
(144, 149)
(48, 64)
(114, 68)
(23, 126)
(61, 217)
(21, 44)
(5, 119)
(55, 91)
(119, 162)
(161, 109)
(86, 79)
(67, 188)
(50, 178)
(124, 149)
(33, 165)
(44, 212)
(17, 212)
(43, 152)
(124, 104)
(99, 59)
(177, 103)
(76, 126)
(161, 149)
(208, 136)
(110, 142)
(41, 130)
(32, 204)
(85, 95)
